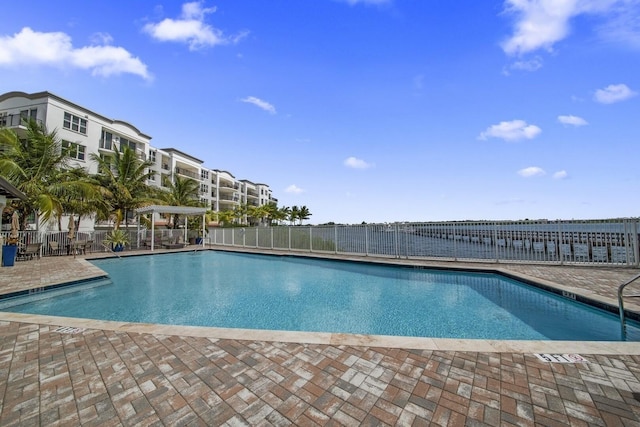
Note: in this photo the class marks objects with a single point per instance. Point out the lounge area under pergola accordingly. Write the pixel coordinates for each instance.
(171, 210)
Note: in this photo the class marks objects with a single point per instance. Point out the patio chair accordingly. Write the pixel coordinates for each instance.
(29, 251)
(54, 247)
(169, 243)
(87, 246)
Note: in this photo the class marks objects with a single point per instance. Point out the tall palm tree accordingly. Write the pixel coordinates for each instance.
(282, 214)
(240, 211)
(81, 203)
(38, 166)
(293, 214)
(182, 191)
(303, 214)
(224, 217)
(123, 177)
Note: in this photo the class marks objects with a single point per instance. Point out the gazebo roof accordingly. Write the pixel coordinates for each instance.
(180, 210)
(8, 190)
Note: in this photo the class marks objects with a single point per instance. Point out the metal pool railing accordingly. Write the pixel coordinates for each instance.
(593, 242)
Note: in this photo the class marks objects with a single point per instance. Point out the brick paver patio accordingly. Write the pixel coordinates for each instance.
(122, 376)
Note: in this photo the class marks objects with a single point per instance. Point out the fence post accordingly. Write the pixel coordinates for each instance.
(455, 243)
(396, 242)
(560, 254)
(289, 229)
(366, 240)
(495, 240)
(335, 238)
(271, 237)
(257, 237)
(310, 239)
(636, 242)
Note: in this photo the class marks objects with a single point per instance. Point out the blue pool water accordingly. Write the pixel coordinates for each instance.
(287, 293)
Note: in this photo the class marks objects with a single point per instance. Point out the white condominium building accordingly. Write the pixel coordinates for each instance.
(85, 132)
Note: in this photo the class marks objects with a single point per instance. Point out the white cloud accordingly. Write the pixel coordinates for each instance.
(30, 47)
(355, 163)
(294, 189)
(572, 120)
(614, 93)
(539, 24)
(531, 171)
(190, 28)
(530, 65)
(560, 175)
(623, 26)
(260, 104)
(511, 131)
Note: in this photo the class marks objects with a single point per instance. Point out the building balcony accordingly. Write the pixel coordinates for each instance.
(105, 145)
(227, 185)
(15, 121)
(187, 173)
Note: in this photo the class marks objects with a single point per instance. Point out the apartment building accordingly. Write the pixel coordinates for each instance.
(85, 132)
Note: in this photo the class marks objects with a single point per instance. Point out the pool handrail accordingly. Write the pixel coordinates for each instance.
(623, 328)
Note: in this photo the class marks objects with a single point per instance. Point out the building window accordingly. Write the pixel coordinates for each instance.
(204, 174)
(29, 114)
(124, 142)
(204, 188)
(152, 155)
(106, 142)
(75, 123)
(74, 150)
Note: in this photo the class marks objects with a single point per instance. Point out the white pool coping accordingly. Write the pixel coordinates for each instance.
(337, 339)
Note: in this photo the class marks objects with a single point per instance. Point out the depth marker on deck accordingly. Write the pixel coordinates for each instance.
(561, 358)
(68, 330)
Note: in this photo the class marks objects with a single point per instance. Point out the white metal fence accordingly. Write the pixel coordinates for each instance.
(594, 242)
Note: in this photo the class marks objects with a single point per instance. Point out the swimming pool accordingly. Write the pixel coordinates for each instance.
(290, 293)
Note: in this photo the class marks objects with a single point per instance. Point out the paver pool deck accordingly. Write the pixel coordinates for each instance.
(64, 371)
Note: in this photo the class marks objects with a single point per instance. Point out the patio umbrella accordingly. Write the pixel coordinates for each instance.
(15, 225)
(72, 228)
(72, 234)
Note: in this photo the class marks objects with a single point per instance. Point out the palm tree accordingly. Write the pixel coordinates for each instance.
(38, 166)
(303, 214)
(83, 203)
(293, 214)
(240, 211)
(282, 214)
(225, 217)
(181, 192)
(123, 177)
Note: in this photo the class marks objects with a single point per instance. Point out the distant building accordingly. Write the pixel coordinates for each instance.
(85, 132)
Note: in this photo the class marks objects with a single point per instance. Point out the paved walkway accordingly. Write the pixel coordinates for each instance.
(110, 373)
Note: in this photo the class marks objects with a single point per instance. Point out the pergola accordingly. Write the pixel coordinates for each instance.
(173, 210)
(8, 192)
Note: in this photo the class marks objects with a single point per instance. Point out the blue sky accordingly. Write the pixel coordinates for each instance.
(364, 110)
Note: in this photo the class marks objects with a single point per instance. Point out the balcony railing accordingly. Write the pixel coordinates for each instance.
(106, 145)
(185, 172)
(14, 120)
(225, 185)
